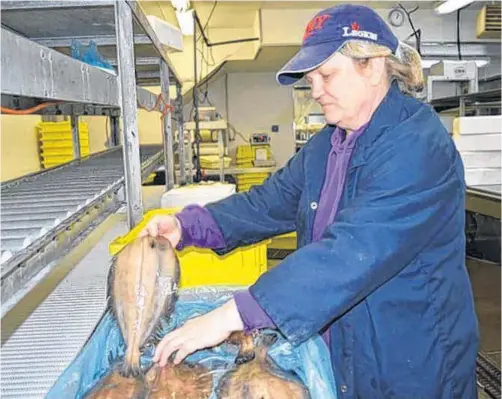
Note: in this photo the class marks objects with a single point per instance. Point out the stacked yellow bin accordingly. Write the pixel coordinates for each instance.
(244, 159)
(213, 162)
(56, 144)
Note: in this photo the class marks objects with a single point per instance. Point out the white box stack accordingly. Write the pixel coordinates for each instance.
(478, 139)
(197, 194)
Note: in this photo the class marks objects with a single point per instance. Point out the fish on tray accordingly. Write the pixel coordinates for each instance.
(260, 378)
(114, 386)
(143, 284)
(185, 380)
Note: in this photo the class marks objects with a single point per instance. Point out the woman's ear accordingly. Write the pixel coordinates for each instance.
(377, 70)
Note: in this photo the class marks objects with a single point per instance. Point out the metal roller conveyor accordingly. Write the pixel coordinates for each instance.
(40, 349)
(45, 214)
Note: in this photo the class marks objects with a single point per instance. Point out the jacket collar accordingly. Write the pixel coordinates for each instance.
(388, 114)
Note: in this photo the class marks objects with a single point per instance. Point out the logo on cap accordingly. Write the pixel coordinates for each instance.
(314, 25)
(355, 31)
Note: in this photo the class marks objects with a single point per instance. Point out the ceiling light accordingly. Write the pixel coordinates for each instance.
(450, 6)
(180, 5)
(185, 22)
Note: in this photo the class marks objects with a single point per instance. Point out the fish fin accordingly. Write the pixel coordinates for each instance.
(131, 366)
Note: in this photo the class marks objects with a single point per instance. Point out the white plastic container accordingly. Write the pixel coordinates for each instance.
(483, 176)
(481, 159)
(197, 194)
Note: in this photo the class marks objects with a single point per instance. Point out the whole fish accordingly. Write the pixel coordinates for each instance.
(185, 380)
(260, 378)
(114, 386)
(143, 284)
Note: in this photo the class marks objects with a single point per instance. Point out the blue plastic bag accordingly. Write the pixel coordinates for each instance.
(90, 55)
(310, 360)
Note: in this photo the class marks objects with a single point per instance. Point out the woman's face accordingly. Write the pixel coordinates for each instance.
(343, 89)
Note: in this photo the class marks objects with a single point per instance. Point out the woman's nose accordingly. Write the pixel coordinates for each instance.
(316, 90)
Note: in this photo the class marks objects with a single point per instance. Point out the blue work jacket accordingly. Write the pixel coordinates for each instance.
(388, 277)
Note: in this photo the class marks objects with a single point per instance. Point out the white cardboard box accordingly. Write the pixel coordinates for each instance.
(478, 142)
(481, 159)
(484, 124)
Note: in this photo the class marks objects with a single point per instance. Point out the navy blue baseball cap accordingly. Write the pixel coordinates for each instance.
(328, 31)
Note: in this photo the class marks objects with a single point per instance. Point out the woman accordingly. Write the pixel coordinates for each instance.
(377, 200)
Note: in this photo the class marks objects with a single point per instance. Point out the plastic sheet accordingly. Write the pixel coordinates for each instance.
(90, 55)
(310, 360)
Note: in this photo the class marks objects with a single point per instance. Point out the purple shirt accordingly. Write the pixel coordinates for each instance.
(200, 229)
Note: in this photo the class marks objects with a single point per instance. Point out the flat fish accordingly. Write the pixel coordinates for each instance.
(185, 380)
(143, 284)
(114, 386)
(260, 378)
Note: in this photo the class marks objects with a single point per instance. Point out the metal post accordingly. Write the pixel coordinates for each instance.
(181, 135)
(195, 95)
(114, 132)
(130, 137)
(168, 134)
(221, 153)
(190, 159)
(75, 136)
(462, 106)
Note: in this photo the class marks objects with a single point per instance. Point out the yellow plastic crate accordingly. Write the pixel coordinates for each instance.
(213, 162)
(47, 152)
(56, 143)
(200, 266)
(246, 154)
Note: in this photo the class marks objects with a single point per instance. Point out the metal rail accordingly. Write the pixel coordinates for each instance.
(483, 201)
(44, 215)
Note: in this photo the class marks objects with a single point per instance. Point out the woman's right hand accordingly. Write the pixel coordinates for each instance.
(166, 226)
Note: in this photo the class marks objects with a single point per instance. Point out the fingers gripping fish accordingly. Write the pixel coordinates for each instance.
(143, 285)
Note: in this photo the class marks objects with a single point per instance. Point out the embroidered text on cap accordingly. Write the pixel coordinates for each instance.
(355, 31)
(314, 25)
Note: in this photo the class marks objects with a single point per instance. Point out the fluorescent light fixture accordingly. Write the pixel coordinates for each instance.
(428, 63)
(185, 22)
(450, 6)
(180, 5)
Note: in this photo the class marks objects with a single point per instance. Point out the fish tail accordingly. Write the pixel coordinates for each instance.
(131, 366)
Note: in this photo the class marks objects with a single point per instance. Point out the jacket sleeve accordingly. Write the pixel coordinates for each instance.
(262, 212)
(408, 191)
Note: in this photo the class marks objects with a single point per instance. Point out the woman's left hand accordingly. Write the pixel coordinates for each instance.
(200, 332)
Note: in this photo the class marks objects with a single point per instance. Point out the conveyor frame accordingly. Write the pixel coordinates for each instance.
(97, 202)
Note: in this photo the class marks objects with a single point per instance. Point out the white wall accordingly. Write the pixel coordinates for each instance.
(255, 103)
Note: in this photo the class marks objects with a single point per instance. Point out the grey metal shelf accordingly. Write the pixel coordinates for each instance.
(62, 21)
(443, 104)
(34, 73)
(484, 200)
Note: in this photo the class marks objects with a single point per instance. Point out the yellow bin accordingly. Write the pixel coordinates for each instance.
(201, 267)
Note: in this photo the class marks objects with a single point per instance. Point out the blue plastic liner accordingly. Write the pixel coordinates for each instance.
(310, 360)
(90, 55)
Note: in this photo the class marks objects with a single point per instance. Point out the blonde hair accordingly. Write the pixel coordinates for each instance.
(405, 66)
